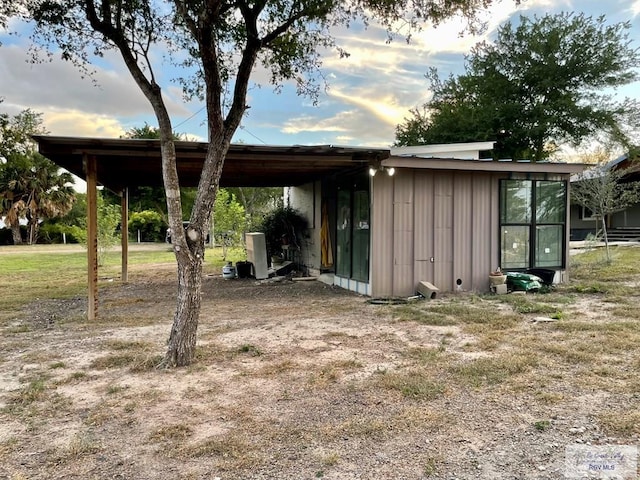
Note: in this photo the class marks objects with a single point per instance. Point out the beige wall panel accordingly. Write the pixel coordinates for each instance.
(423, 231)
(382, 236)
(462, 231)
(403, 266)
(443, 230)
(481, 246)
(403, 246)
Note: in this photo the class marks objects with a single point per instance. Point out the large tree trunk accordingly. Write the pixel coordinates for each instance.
(182, 341)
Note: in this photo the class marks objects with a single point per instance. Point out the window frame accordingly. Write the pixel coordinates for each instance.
(533, 223)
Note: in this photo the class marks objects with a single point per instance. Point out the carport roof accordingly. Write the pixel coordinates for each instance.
(133, 162)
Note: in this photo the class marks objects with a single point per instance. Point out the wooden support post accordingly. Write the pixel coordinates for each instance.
(92, 236)
(124, 215)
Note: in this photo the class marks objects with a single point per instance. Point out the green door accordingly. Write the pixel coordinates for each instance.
(360, 254)
(352, 239)
(343, 234)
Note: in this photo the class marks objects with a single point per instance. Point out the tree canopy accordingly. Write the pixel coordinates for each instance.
(31, 186)
(219, 43)
(543, 83)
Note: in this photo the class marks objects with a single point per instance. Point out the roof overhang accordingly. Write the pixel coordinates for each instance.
(483, 165)
(132, 162)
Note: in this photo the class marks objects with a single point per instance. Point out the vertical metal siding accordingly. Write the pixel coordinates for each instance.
(403, 246)
(423, 227)
(443, 230)
(481, 243)
(463, 235)
(450, 217)
(381, 277)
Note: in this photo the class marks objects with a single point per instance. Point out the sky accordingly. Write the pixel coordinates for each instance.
(368, 93)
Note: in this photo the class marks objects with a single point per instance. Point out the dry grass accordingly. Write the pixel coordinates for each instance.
(334, 387)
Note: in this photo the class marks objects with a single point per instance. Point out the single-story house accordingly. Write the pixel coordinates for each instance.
(622, 225)
(381, 220)
(436, 213)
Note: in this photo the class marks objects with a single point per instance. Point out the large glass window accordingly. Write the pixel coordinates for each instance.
(532, 223)
(515, 246)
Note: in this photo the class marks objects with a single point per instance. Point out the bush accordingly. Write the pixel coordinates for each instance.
(283, 226)
(57, 233)
(149, 223)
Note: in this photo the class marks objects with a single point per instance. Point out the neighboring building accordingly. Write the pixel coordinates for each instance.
(622, 225)
(427, 215)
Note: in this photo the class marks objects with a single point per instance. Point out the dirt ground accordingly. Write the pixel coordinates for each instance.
(300, 380)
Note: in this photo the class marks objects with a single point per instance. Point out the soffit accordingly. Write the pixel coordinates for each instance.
(133, 162)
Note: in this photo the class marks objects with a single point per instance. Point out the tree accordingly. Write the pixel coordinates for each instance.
(541, 84)
(143, 197)
(108, 221)
(219, 42)
(31, 186)
(147, 225)
(229, 220)
(258, 202)
(605, 189)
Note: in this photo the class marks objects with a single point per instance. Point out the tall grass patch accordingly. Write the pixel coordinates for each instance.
(494, 370)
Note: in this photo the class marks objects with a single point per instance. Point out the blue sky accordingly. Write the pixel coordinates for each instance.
(369, 93)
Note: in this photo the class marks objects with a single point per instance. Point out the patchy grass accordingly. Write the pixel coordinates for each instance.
(176, 433)
(415, 383)
(81, 444)
(133, 361)
(621, 422)
(250, 350)
(289, 394)
(492, 370)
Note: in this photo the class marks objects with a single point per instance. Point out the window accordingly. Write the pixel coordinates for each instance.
(586, 214)
(532, 224)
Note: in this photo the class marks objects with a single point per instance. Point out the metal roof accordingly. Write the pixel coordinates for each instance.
(133, 162)
(483, 165)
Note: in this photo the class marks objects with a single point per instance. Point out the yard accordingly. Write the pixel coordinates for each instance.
(299, 380)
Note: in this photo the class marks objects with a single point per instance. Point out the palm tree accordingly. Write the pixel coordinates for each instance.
(32, 187)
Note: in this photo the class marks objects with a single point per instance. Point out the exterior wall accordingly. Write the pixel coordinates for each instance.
(580, 228)
(307, 200)
(626, 218)
(444, 228)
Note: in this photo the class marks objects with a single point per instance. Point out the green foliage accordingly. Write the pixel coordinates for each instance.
(228, 219)
(149, 223)
(257, 202)
(108, 222)
(542, 425)
(539, 85)
(31, 186)
(284, 225)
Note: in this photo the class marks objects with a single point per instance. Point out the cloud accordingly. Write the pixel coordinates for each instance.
(635, 8)
(77, 123)
(386, 108)
(310, 123)
(355, 127)
(55, 86)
